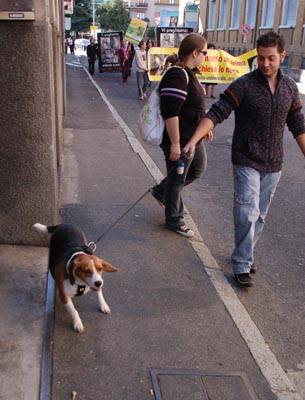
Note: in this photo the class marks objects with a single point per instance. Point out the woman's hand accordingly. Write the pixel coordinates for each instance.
(175, 153)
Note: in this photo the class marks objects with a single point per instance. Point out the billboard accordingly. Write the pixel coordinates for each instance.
(169, 18)
(135, 30)
(171, 37)
(109, 44)
(218, 66)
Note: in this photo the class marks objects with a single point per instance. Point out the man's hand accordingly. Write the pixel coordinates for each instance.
(175, 152)
(189, 148)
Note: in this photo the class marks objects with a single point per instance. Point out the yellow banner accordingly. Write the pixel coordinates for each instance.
(135, 30)
(218, 66)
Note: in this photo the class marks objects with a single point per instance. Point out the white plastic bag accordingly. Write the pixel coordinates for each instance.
(151, 123)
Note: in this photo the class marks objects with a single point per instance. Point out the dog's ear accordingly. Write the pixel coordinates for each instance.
(107, 267)
(72, 268)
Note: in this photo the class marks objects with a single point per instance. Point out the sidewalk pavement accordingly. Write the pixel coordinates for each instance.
(168, 335)
(23, 271)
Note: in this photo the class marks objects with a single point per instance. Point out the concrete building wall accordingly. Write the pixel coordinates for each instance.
(151, 9)
(31, 104)
(235, 42)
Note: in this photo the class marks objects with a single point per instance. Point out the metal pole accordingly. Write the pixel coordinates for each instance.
(93, 12)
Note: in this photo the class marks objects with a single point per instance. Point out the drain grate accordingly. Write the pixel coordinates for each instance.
(182, 384)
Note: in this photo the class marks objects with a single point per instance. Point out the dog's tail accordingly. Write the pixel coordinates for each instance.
(44, 229)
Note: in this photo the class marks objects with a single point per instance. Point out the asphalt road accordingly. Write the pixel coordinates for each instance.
(277, 302)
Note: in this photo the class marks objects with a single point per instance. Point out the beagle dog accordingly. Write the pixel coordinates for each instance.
(74, 268)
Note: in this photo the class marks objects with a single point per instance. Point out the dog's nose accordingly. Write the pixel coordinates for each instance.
(98, 283)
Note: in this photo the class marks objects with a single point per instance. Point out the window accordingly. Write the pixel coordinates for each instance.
(251, 12)
(289, 12)
(223, 14)
(140, 15)
(268, 13)
(212, 14)
(303, 63)
(157, 18)
(235, 17)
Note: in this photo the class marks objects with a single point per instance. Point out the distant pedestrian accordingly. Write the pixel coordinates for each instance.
(71, 45)
(91, 55)
(66, 45)
(131, 58)
(182, 107)
(263, 100)
(210, 86)
(141, 69)
(125, 54)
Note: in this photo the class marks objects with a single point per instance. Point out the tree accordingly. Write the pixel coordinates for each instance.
(113, 16)
(82, 17)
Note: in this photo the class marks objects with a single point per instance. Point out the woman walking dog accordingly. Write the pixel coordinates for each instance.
(182, 107)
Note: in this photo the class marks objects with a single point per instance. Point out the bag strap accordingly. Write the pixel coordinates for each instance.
(186, 74)
(174, 66)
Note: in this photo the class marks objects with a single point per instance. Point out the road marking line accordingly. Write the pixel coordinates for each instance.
(274, 374)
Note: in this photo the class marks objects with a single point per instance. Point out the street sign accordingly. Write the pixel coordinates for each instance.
(93, 27)
(67, 23)
(246, 29)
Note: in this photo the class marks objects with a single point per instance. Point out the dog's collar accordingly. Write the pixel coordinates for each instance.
(80, 290)
(71, 258)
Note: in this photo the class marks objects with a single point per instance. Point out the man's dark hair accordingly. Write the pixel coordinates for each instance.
(271, 39)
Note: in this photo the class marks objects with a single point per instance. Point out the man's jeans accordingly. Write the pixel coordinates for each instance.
(253, 192)
(142, 81)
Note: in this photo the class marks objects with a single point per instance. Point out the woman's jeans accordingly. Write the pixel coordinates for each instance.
(253, 192)
(171, 186)
(142, 82)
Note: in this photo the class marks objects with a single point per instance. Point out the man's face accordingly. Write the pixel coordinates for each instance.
(269, 60)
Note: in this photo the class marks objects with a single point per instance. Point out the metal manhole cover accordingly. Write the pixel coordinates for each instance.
(179, 384)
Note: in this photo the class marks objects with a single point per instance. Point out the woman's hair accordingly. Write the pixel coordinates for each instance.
(211, 46)
(141, 43)
(171, 60)
(191, 42)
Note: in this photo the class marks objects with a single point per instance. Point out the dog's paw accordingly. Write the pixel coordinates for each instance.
(78, 326)
(105, 309)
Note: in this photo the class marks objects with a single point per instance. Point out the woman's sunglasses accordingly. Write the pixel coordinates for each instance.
(204, 52)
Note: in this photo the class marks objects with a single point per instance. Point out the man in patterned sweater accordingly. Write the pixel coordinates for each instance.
(263, 101)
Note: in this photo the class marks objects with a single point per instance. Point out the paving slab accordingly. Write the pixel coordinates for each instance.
(23, 273)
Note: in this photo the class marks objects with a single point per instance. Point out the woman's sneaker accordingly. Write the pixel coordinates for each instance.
(182, 230)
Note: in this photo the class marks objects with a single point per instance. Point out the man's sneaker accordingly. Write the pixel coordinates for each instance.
(243, 279)
(253, 269)
(141, 98)
(182, 230)
(158, 196)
